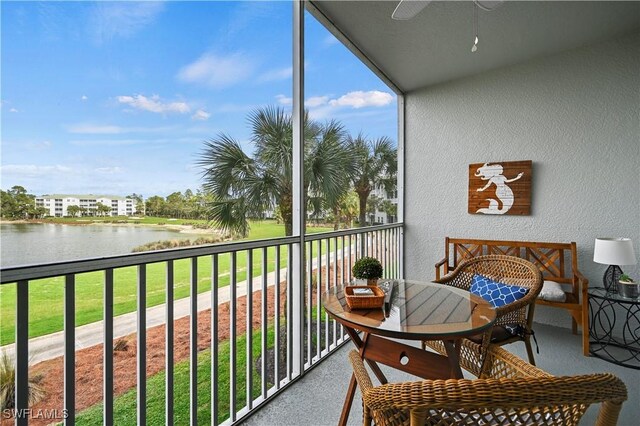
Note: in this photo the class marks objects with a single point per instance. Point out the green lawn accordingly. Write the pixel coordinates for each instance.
(46, 295)
(125, 405)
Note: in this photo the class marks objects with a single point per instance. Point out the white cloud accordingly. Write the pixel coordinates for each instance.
(110, 20)
(217, 71)
(316, 101)
(201, 115)
(321, 106)
(154, 104)
(31, 170)
(13, 110)
(108, 170)
(322, 112)
(360, 99)
(276, 75)
(326, 106)
(330, 40)
(284, 100)
(84, 97)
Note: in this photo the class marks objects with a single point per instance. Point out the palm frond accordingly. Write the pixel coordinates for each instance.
(272, 134)
(327, 164)
(224, 165)
(229, 215)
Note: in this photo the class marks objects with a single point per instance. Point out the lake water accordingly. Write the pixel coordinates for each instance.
(30, 243)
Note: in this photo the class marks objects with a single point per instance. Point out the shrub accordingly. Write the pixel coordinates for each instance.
(7, 384)
(168, 244)
(121, 345)
(367, 268)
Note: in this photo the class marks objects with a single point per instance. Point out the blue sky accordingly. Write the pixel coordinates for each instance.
(117, 97)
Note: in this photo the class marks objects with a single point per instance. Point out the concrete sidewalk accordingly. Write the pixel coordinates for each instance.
(52, 345)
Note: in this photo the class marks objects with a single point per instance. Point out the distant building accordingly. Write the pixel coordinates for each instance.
(58, 204)
(380, 216)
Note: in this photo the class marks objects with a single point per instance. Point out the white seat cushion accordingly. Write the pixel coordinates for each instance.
(552, 291)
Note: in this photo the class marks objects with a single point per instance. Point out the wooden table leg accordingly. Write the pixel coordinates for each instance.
(453, 353)
(361, 345)
(346, 408)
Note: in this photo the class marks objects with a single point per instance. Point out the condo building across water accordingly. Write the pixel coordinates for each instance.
(58, 204)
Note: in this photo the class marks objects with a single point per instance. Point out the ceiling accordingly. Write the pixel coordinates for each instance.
(435, 46)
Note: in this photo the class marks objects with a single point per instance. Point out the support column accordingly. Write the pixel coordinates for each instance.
(298, 187)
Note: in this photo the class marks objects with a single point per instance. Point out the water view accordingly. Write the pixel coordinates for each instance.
(48, 242)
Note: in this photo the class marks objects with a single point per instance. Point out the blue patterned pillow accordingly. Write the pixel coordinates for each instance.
(496, 293)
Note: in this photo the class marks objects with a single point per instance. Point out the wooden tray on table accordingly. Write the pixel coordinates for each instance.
(360, 301)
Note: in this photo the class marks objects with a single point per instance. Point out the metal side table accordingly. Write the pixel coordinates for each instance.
(614, 328)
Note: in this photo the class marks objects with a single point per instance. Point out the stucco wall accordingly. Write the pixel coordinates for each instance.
(576, 115)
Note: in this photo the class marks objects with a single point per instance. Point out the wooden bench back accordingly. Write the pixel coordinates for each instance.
(556, 261)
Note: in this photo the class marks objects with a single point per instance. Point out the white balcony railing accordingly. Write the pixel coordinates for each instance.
(328, 260)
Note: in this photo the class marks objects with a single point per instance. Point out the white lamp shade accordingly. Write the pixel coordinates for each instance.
(614, 251)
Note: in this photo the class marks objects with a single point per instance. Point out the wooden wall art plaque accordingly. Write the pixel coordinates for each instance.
(500, 188)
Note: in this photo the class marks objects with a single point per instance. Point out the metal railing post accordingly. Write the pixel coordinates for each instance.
(107, 349)
(70, 349)
(141, 397)
(169, 346)
(193, 344)
(22, 354)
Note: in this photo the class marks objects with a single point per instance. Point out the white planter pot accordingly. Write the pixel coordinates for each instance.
(629, 290)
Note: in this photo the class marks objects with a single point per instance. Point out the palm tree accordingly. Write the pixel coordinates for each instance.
(376, 164)
(248, 186)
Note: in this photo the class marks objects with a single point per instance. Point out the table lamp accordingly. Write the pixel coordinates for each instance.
(613, 252)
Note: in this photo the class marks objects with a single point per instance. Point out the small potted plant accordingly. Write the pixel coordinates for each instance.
(628, 288)
(367, 268)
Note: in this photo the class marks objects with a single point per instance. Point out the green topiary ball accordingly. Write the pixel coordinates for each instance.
(367, 268)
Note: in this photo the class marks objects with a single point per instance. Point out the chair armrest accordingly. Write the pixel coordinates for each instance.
(439, 265)
(359, 371)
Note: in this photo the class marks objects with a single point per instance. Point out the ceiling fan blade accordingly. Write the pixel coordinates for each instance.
(407, 9)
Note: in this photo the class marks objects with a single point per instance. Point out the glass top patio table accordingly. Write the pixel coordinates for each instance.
(416, 311)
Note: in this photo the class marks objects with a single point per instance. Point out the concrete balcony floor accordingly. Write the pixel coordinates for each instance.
(317, 398)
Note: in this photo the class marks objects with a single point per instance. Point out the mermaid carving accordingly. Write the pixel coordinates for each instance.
(493, 174)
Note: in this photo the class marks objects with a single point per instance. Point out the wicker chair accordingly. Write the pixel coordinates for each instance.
(508, 270)
(514, 393)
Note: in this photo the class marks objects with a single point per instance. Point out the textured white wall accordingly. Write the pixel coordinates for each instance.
(576, 115)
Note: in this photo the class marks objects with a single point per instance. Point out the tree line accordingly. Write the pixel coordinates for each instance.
(187, 205)
(16, 203)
